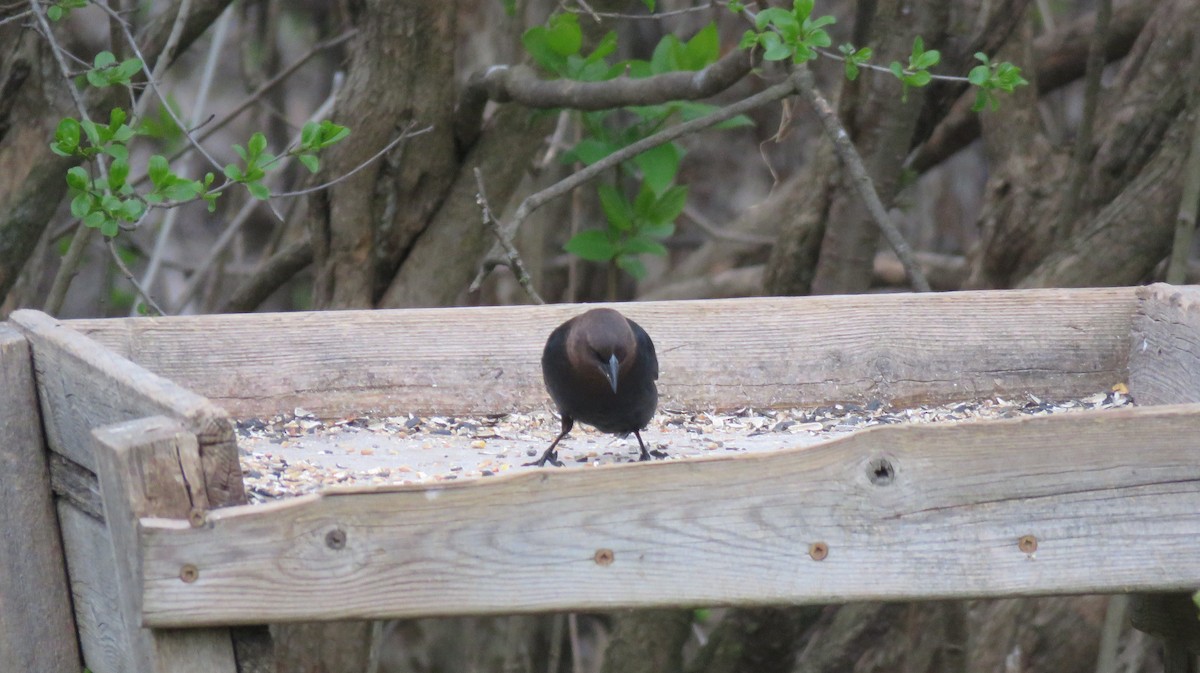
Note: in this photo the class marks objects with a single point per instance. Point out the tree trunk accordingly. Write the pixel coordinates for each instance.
(401, 71)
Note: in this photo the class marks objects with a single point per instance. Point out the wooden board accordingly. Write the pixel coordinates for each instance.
(1164, 364)
(148, 467)
(722, 354)
(35, 606)
(1077, 503)
(83, 386)
(102, 635)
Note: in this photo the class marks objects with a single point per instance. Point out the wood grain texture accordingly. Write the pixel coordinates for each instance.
(35, 606)
(762, 352)
(148, 467)
(83, 386)
(1112, 499)
(1164, 363)
(102, 635)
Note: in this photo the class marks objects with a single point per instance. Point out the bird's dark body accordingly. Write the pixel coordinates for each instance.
(618, 398)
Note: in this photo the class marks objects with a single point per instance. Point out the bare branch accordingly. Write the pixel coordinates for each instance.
(522, 85)
(270, 276)
(405, 135)
(1189, 202)
(112, 248)
(859, 176)
(514, 258)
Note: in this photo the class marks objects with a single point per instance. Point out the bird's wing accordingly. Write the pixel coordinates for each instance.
(645, 348)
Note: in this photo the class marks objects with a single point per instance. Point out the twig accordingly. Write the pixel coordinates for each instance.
(68, 269)
(15, 17)
(514, 258)
(1082, 152)
(210, 68)
(576, 647)
(405, 135)
(584, 9)
(722, 234)
(112, 248)
(859, 176)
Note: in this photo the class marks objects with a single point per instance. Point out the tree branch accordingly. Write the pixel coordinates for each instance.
(859, 176)
(269, 277)
(514, 258)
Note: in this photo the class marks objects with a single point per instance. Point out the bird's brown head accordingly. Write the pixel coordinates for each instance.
(601, 344)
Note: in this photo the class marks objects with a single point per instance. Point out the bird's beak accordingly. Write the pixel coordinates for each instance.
(611, 372)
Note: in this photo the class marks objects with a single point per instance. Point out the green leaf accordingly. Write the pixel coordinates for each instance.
(782, 19)
(592, 245)
(649, 5)
(81, 205)
(241, 152)
(158, 169)
(666, 55)
(657, 230)
(536, 42)
(132, 209)
(77, 178)
(332, 133)
(110, 203)
(632, 266)
(104, 59)
(127, 70)
(54, 12)
(659, 166)
(803, 8)
(233, 172)
(94, 219)
(928, 59)
(979, 75)
(258, 190)
(96, 79)
(563, 35)
(117, 172)
(703, 48)
(642, 244)
(590, 150)
(258, 143)
(91, 131)
(310, 162)
(67, 134)
(669, 205)
(119, 152)
(109, 228)
(310, 135)
(616, 207)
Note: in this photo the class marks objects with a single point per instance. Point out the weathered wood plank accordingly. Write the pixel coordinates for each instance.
(102, 635)
(1110, 500)
(76, 484)
(715, 354)
(83, 386)
(1164, 364)
(146, 468)
(35, 606)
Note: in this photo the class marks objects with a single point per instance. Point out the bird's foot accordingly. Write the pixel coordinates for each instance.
(646, 455)
(547, 457)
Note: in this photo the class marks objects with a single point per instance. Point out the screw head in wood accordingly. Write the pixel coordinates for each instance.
(1027, 544)
(604, 557)
(197, 517)
(818, 551)
(335, 539)
(189, 573)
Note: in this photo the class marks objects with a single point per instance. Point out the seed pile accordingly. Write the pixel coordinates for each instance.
(298, 453)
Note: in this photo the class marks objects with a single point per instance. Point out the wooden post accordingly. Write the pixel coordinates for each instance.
(1164, 368)
(152, 467)
(37, 632)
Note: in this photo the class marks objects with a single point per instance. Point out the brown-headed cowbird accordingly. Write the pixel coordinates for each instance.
(600, 369)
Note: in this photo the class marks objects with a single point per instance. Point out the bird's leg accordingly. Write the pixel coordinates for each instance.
(646, 454)
(550, 455)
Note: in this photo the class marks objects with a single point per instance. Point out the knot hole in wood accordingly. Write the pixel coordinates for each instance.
(336, 539)
(880, 471)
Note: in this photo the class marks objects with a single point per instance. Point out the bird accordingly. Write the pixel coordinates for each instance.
(599, 368)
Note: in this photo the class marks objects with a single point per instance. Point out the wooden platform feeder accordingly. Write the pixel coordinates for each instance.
(119, 456)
